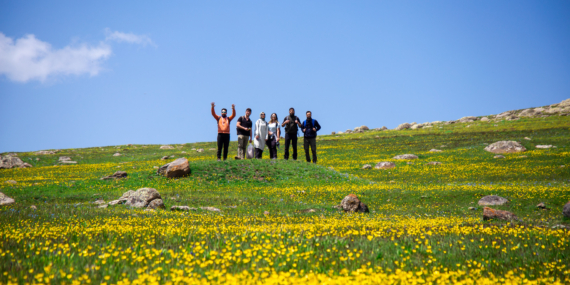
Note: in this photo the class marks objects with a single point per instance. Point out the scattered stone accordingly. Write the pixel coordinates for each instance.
(348, 131)
(210, 209)
(367, 166)
(361, 128)
(333, 133)
(499, 156)
(541, 205)
(12, 161)
(44, 152)
(140, 198)
(544, 146)
(433, 163)
(64, 158)
(166, 147)
(435, 150)
(492, 200)
(149, 210)
(177, 168)
(490, 214)
(183, 152)
(182, 208)
(155, 167)
(505, 147)
(212, 148)
(37, 159)
(200, 150)
(164, 158)
(565, 210)
(103, 206)
(403, 126)
(156, 204)
(352, 204)
(384, 165)
(33, 207)
(99, 202)
(527, 138)
(266, 213)
(116, 175)
(117, 154)
(468, 119)
(472, 208)
(5, 200)
(406, 156)
(484, 119)
(562, 166)
(68, 162)
(12, 182)
(415, 127)
(308, 211)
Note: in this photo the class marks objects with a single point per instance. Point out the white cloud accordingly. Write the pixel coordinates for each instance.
(28, 58)
(128, 38)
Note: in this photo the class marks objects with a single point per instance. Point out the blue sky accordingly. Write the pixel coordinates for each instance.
(77, 74)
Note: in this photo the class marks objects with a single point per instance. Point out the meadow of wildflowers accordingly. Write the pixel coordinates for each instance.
(420, 228)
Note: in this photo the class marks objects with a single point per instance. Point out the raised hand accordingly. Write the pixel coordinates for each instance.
(233, 106)
(213, 104)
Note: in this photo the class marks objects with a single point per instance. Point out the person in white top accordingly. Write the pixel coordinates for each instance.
(260, 135)
(273, 134)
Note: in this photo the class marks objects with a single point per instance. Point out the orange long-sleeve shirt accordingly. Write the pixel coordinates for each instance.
(224, 123)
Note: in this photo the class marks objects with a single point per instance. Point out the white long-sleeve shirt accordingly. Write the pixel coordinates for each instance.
(261, 131)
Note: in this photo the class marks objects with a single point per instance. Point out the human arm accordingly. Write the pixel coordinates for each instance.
(298, 122)
(214, 112)
(257, 130)
(278, 132)
(233, 112)
(317, 126)
(285, 122)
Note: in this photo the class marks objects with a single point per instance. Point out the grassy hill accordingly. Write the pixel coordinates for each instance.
(419, 229)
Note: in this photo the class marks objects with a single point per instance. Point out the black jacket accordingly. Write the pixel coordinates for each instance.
(308, 125)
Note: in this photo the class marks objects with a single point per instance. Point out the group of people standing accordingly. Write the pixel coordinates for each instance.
(266, 133)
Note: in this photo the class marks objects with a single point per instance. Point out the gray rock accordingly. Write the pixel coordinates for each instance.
(367, 166)
(45, 152)
(11, 182)
(493, 214)
(166, 147)
(435, 150)
(103, 206)
(541, 205)
(156, 204)
(117, 154)
(212, 209)
(5, 200)
(33, 207)
(11, 161)
(352, 204)
(545, 146)
(492, 200)
(361, 128)
(415, 127)
(406, 156)
(384, 165)
(182, 208)
(200, 150)
(505, 147)
(164, 158)
(484, 119)
(116, 175)
(333, 133)
(64, 158)
(403, 126)
(499, 156)
(467, 119)
(433, 163)
(68, 162)
(472, 208)
(140, 198)
(566, 210)
(177, 168)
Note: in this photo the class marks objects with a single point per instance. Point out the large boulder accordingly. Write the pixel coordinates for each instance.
(403, 126)
(384, 165)
(5, 200)
(177, 168)
(156, 204)
(416, 126)
(361, 128)
(141, 198)
(468, 119)
(492, 200)
(493, 214)
(116, 175)
(9, 161)
(406, 156)
(166, 147)
(352, 204)
(484, 119)
(530, 113)
(564, 103)
(505, 147)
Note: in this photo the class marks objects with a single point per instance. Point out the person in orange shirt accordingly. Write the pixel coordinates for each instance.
(223, 129)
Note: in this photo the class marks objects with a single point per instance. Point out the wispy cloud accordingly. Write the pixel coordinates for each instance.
(28, 58)
(128, 38)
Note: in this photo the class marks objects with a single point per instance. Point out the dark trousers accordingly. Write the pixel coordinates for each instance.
(258, 153)
(223, 141)
(290, 139)
(312, 142)
(272, 144)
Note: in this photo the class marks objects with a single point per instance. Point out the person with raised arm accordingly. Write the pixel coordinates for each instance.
(223, 129)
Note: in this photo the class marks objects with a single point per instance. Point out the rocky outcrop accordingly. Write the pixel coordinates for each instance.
(384, 165)
(493, 214)
(352, 204)
(406, 156)
(361, 128)
(505, 147)
(177, 168)
(116, 175)
(492, 200)
(140, 198)
(403, 126)
(10, 161)
(5, 200)
(468, 119)
(45, 152)
(367, 166)
(166, 147)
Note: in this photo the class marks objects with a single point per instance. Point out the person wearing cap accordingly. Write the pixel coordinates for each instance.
(260, 135)
(223, 129)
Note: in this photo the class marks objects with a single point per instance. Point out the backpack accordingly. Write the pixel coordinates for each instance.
(305, 123)
(288, 128)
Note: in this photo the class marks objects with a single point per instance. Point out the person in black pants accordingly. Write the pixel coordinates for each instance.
(290, 123)
(223, 130)
(310, 128)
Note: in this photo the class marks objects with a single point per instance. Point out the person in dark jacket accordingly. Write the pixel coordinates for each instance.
(310, 128)
(290, 123)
